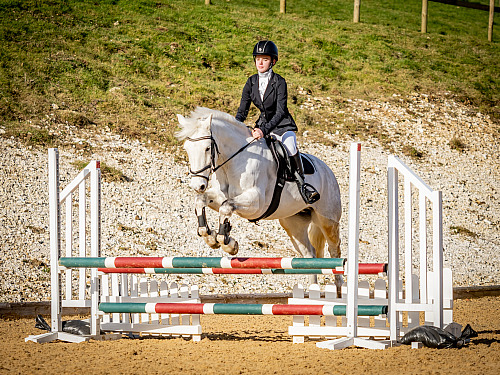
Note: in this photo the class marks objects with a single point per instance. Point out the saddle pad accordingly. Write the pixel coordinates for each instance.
(307, 164)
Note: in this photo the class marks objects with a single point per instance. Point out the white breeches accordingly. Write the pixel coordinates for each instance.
(289, 140)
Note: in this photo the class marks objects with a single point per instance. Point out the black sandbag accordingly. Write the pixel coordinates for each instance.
(467, 333)
(434, 337)
(40, 323)
(75, 327)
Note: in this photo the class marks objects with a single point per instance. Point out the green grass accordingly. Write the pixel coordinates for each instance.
(132, 65)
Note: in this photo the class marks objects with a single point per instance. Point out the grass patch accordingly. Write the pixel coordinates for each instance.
(108, 173)
(457, 144)
(125, 228)
(461, 230)
(412, 152)
(130, 66)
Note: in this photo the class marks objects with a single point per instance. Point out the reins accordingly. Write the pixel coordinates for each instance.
(213, 149)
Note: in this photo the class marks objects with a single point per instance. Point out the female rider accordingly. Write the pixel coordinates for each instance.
(268, 92)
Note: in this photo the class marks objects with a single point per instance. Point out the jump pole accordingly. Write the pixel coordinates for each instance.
(237, 309)
(364, 269)
(201, 262)
(352, 263)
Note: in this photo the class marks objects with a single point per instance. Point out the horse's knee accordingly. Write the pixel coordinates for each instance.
(226, 209)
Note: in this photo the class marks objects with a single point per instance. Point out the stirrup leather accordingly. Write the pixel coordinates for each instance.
(307, 191)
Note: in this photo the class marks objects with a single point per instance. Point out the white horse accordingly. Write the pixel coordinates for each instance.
(244, 182)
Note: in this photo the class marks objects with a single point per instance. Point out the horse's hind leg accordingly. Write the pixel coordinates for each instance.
(317, 240)
(297, 228)
(331, 232)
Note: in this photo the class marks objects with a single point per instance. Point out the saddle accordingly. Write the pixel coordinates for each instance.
(283, 159)
(284, 173)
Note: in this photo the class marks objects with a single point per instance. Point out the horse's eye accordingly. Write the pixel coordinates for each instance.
(207, 149)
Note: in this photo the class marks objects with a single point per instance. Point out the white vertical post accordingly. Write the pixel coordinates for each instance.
(393, 257)
(95, 244)
(55, 241)
(69, 237)
(408, 241)
(352, 262)
(423, 246)
(437, 244)
(352, 258)
(82, 237)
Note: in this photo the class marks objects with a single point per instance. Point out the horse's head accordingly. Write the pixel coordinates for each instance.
(198, 145)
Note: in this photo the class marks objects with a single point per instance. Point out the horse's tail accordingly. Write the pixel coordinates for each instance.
(317, 240)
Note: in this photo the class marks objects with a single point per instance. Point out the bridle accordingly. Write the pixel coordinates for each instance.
(213, 149)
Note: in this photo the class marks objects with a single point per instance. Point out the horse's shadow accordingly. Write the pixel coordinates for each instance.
(224, 336)
(245, 336)
(485, 341)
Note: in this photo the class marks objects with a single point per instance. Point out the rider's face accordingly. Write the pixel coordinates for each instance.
(263, 63)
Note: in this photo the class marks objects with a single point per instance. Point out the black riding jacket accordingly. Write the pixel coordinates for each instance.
(274, 115)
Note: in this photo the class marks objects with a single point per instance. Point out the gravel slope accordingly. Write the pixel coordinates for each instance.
(153, 214)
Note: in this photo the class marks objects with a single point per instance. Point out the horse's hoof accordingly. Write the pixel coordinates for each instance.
(231, 248)
(212, 241)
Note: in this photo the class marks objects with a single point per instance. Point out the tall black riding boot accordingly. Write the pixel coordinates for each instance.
(307, 191)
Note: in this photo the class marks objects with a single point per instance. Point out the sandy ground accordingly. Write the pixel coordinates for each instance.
(251, 345)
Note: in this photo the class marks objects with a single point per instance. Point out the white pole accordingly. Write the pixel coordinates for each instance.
(423, 247)
(95, 244)
(82, 237)
(408, 249)
(437, 243)
(352, 257)
(55, 241)
(393, 225)
(352, 262)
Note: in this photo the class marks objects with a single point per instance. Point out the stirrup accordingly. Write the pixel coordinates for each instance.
(309, 193)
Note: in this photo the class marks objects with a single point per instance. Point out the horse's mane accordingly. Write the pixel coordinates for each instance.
(191, 125)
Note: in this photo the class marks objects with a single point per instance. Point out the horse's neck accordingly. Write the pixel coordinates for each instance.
(230, 139)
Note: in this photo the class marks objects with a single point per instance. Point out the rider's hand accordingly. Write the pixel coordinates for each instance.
(257, 133)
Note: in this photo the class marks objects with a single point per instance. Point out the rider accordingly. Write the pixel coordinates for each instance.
(268, 92)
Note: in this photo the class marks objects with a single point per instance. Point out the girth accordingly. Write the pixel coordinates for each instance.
(283, 174)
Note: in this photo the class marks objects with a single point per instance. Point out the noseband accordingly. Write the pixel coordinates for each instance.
(213, 149)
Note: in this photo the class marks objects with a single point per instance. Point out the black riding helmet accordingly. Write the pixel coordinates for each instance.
(266, 47)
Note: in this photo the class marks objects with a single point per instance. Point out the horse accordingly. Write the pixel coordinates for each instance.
(232, 172)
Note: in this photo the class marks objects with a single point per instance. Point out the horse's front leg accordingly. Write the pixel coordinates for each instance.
(204, 230)
(245, 204)
(227, 243)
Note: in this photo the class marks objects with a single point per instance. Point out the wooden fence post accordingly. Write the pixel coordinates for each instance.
(282, 6)
(207, 2)
(356, 10)
(490, 23)
(424, 16)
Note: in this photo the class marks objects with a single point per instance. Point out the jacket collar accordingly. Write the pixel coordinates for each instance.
(269, 89)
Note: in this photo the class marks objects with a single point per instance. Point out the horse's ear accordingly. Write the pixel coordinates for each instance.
(182, 119)
(207, 122)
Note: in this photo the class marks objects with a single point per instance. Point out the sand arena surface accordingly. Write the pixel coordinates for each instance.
(251, 345)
